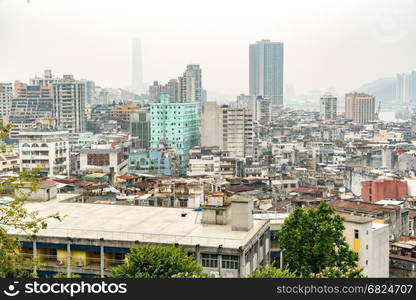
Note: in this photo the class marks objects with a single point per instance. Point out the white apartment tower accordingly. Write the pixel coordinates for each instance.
(262, 111)
(190, 84)
(44, 149)
(231, 129)
(69, 104)
(328, 107)
(6, 95)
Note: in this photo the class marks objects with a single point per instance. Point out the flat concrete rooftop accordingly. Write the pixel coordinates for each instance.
(142, 223)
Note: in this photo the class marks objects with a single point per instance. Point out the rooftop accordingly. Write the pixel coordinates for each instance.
(131, 223)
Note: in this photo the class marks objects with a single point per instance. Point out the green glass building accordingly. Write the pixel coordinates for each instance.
(176, 126)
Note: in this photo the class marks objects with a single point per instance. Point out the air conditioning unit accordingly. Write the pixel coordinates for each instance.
(213, 274)
(80, 263)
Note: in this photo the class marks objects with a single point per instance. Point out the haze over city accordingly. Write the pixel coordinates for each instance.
(328, 44)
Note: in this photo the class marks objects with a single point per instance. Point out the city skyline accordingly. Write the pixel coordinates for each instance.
(308, 66)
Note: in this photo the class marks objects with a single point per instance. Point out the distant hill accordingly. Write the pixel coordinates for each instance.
(384, 89)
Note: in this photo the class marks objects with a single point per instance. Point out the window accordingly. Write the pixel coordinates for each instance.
(52, 252)
(119, 256)
(356, 235)
(209, 260)
(229, 262)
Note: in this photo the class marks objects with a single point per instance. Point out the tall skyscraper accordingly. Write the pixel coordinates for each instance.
(359, 107)
(328, 107)
(413, 88)
(403, 89)
(6, 95)
(69, 104)
(190, 84)
(89, 91)
(137, 66)
(266, 71)
(406, 89)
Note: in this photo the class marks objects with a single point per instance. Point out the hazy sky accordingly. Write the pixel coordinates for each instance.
(340, 44)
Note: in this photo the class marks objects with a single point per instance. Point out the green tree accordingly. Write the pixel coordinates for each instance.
(157, 262)
(335, 272)
(312, 240)
(272, 272)
(14, 217)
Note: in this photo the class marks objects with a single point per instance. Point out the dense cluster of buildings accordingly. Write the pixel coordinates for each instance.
(172, 167)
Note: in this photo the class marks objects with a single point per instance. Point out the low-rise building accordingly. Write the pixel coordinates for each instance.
(44, 149)
(90, 244)
(103, 158)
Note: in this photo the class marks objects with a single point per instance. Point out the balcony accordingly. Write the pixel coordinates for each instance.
(84, 265)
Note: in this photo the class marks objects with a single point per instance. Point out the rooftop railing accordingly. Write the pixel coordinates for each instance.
(142, 237)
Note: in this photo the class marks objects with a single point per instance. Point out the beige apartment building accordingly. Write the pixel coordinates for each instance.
(359, 107)
(231, 129)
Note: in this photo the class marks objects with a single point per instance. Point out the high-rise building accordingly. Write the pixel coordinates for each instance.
(47, 79)
(413, 88)
(137, 67)
(262, 110)
(6, 95)
(231, 129)
(266, 71)
(69, 104)
(328, 107)
(140, 129)
(176, 126)
(172, 89)
(154, 92)
(89, 91)
(190, 84)
(359, 107)
(403, 89)
(31, 104)
(406, 89)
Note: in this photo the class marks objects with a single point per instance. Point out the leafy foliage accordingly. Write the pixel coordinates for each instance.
(272, 272)
(158, 262)
(335, 272)
(15, 217)
(312, 241)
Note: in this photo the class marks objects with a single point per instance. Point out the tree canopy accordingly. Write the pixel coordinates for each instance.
(13, 215)
(157, 262)
(312, 240)
(272, 272)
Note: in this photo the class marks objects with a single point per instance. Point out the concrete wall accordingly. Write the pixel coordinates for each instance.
(41, 194)
(372, 247)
